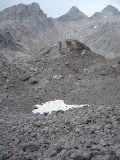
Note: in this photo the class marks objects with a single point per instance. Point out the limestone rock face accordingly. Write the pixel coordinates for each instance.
(21, 11)
(28, 25)
(7, 41)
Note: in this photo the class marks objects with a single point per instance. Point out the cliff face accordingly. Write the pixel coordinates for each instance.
(28, 25)
(21, 11)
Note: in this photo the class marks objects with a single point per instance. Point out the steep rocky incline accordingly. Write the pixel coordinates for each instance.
(69, 70)
(29, 25)
(7, 41)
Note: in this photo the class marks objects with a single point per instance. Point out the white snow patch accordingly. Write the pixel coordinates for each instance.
(71, 33)
(95, 26)
(57, 105)
(105, 16)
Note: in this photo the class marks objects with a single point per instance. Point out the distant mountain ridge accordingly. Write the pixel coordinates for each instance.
(22, 11)
(100, 32)
(29, 26)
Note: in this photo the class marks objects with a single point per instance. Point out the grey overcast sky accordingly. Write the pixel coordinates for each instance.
(55, 8)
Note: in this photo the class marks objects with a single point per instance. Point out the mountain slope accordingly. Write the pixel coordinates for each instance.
(69, 71)
(28, 25)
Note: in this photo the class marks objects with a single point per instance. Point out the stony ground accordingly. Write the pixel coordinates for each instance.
(67, 71)
(89, 133)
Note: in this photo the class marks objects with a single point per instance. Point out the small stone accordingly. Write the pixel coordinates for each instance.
(59, 149)
(77, 130)
(36, 124)
(89, 143)
(108, 126)
(34, 107)
(31, 147)
(25, 154)
(58, 77)
(67, 63)
(33, 81)
(23, 76)
(25, 129)
(115, 124)
(86, 121)
(37, 97)
(102, 143)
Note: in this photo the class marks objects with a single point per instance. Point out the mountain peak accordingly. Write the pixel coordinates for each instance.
(111, 9)
(74, 9)
(74, 14)
(21, 11)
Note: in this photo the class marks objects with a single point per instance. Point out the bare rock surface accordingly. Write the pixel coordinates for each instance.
(38, 65)
(100, 32)
(30, 27)
(69, 71)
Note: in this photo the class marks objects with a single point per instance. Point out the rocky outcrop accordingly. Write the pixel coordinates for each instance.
(7, 41)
